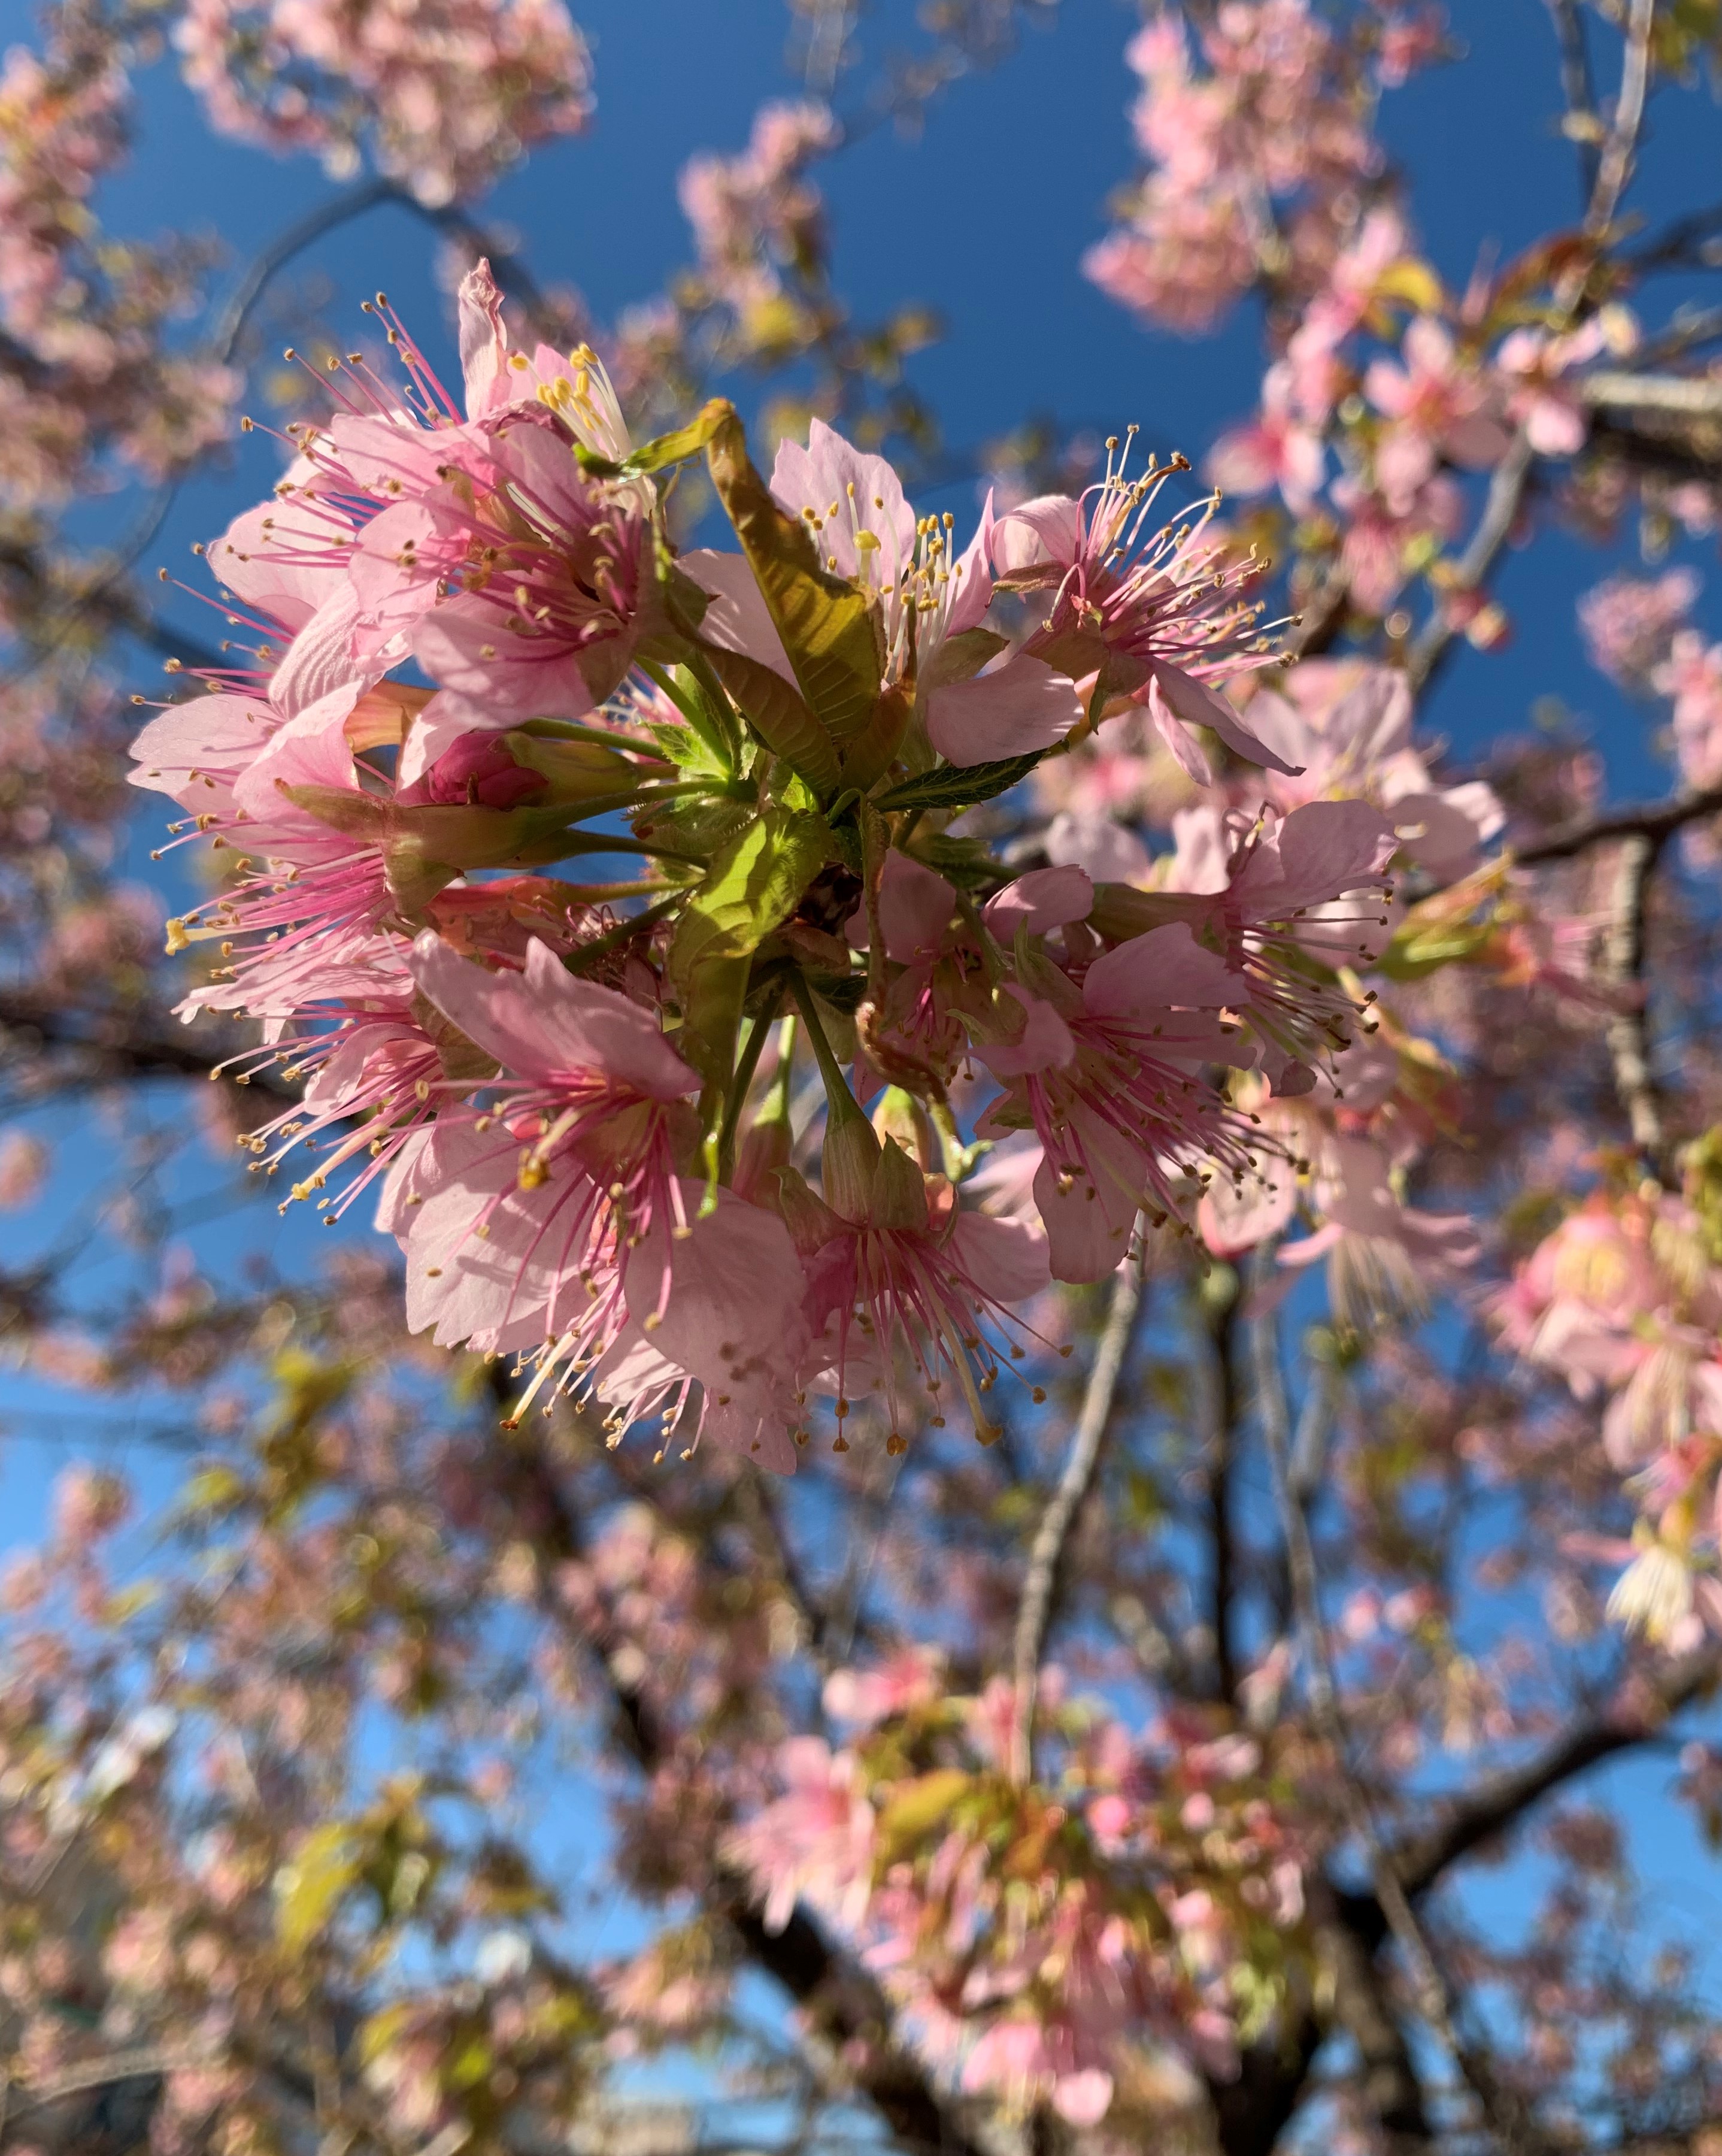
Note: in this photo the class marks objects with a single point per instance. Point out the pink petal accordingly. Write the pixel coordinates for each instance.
(737, 617)
(1024, 705)
(1042, 900)
(1198, 705)
(547, 1024)
(1046, 1044)
(1167, 967)
(1007, 1259)
(483, 349)
(916, 904)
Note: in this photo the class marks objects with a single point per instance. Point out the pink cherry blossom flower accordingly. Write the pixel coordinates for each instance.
(868, 1696)
(555, 1226)
(1628, 623)
(814, 1843)
(446, 98)
(1383, 1255)
(1279, 448)
(1541, 399)
(1437, 405)
(1147, 614)
(1104, 1076)
(897, 1268)
(1692, 675)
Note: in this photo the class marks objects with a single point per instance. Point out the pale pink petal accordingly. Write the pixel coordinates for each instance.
(916, 904)
(1082, 2099)
(1045, 1044)
(1167, 967)
(737, 617)
(547, 1024)
(1005, 1260)
(483, 349)
(1105, 849)
(1198, 705)
(1026, 704)
(846, 489)
(1087, 1233)
(1044, 899)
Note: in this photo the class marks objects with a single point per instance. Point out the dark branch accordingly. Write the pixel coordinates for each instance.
(1638, 1711)
(1655, 820)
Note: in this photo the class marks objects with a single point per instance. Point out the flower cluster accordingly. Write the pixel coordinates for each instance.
(1623, 1299)
(89, 375)
(1256, 159)
(1040, 1951)
(446, 97)
(757, 214)
(583, 1120)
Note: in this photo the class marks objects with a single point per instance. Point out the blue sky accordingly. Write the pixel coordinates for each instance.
(985, 216)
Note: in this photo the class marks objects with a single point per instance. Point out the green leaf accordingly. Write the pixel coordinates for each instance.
(1422, 948)
(754, 884)
(780, 717)
(870, 755)
(311, 1888)
(954, 786)
(920, 1805)
(829, 626)
(965, 862)
(674, 448)
(960, 657)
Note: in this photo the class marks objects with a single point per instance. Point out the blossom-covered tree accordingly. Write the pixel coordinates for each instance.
(1023, 1331)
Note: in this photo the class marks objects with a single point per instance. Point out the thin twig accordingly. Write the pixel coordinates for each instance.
(1503, 2106)
(1506, 491)
(1576, 88)
(1046, 1554)
(1628, 1029)
(229, 327)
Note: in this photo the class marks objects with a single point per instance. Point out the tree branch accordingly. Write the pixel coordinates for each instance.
(1637, 1711)
(1577, 89)
(842, 2004)
(1503, 2107)
(1221, 1446)
(120, 1042)
(1046, 1554)
(1694, 239)
(1696, 396)
(1655, 821)
(1629, 1029)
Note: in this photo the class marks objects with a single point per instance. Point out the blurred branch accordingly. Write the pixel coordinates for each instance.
(1046, 1552)
(1628, 1029)
(1640, 1707)
(328, 217)
(1580, 124)
(135, 1042)
(1223, 1437)
(1502, 2105)
(1695, 395)
(1692, 241)
(1654, 821)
